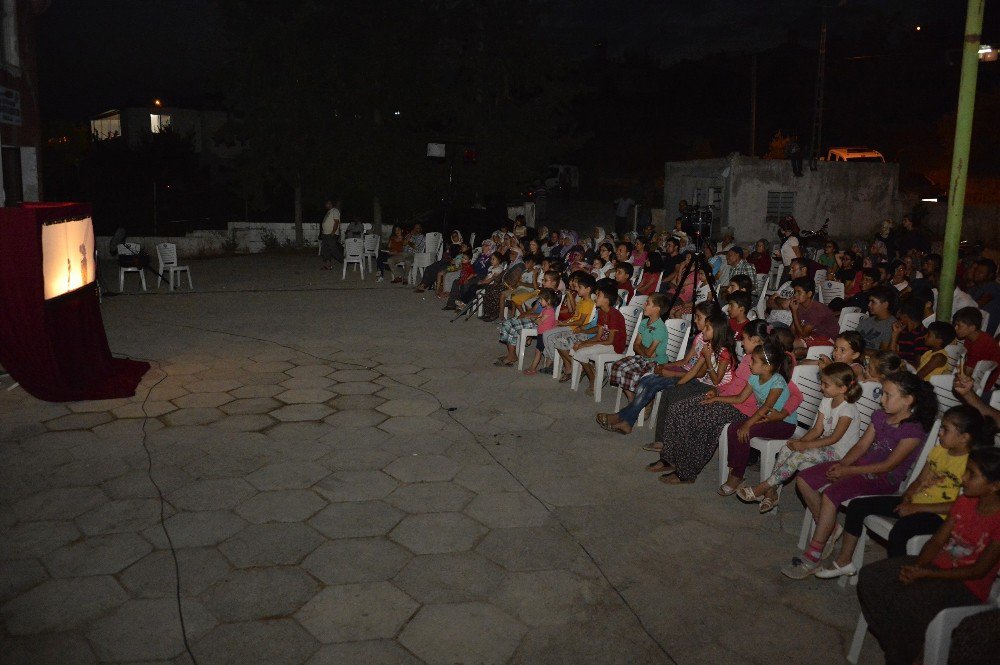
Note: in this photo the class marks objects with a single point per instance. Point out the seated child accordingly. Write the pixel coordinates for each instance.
(934, 361)
(813, 324)
(900, 596)
(834, 433)
(848, 348)
(877, 328)
(881, 364)
(579, 328)
(546, 321)
(510, 329)
(650, 275)
(779, 313)
(908, 331)
(650, 347)
(609, 337)
(623, 278)
(968, 323)
(739, 306)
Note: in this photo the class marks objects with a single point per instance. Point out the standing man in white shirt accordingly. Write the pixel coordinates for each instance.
(329, 249)
(622, 206)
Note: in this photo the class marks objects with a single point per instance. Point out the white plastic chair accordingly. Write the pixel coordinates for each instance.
(761, 307)
(525, 333)
(678, 331)
(943, 385)
(472, 240)
(981, 374)
(632, 315)
(937, 638)
(986, 319)
(851, 320)
(844, 312)
(166, 252)
(354, 252)
(814, 352)
(371, 244)
(820, 275)
(130, 249)
(830, 290)
(638, 300)
(637, 276)
(433, 248)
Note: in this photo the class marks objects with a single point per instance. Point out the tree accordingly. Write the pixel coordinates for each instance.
(778, 147)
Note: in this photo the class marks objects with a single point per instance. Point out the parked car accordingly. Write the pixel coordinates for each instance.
(854, 155)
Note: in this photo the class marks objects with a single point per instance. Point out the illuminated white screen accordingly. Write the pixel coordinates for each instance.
(67, 256)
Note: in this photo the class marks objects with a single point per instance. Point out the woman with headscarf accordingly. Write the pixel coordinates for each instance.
(760, 257)
(432, 271)
(480, 267)
(494, 293)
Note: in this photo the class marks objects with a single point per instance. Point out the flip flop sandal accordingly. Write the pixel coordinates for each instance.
(767, 504)
(530, 372)
(602, 419)
(565, 378)
(659, 466)
(672, 479)
(726, 490)
(746, 495)
(654, 447)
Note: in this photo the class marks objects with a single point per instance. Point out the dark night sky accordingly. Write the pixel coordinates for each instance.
(101, 54)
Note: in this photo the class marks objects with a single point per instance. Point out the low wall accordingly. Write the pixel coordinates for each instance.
(980, 223)
(241, 238)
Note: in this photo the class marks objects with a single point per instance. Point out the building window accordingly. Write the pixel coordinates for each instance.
(11, 52)
(780, 204)
(159, 122)
(107, 127)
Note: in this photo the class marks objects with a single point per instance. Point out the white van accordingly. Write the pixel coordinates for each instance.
(854, 155)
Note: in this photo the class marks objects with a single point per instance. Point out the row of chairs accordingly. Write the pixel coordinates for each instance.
(166, 254)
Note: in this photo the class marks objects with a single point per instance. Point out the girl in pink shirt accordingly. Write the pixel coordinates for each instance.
(546, 322)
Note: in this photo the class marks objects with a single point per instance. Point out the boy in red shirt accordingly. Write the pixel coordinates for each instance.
(978, 345)
(739, 305)
(813, 324)
(623, 280)
(610, 336)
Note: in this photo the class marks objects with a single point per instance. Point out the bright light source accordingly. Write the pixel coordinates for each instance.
(67, 256)
(918, 28)
(987, 53)
(436, 150)
(934, 200)
(395, 112)
(157, 102)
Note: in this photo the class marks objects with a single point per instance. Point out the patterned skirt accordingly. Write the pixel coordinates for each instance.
(625, 373)
(689, 431)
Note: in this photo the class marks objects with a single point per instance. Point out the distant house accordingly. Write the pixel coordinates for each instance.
(20, 127)
(136, 124)
(750, 194)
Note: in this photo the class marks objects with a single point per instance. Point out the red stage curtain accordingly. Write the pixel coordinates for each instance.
(57, 349)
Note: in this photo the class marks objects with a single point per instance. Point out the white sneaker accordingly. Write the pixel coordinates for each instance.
(380, 278)
(800, 568)
(833, 571)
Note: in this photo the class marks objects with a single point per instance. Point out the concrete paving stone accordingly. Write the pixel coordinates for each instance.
(487, 479)
(299, 412)
(245, 595)
(508, 509)
(244, 423)
(212, 385)
(118, 437)
(303, 431)
(470, 453)
(274, 353)
(83, 473)
(353, 375)
(462, 633)
(54, 649)
(165, 393)
(298, 451)
(29, 540)
(54, 441)
(97, 405)
(603, 642)
(96, 555)
(223, 370)
(280, 506)
(222, 465)
(58, 605)
(267, 367)
(572, 491)
(442, 373)
(550, 597)
(213, 494)
(272, 379)
(430, 498)
(535, 548)
(121, 516)
(419, 444)
(406, 425)
(260, 391)
(373, 652)
(15, 431)
(409, 407)
(433, 533)
(356, 402)
(136, 484)
(184, 368)
(305, 396)
(422, 468)
(355, 419)
(452, 577)
(202, 400)
(522, 422)
(354, 612)
(307, 383)
(152, 409)
(272, 544)
(355, 486)
(309, 371)
(17, 576)
(265, 641)
(148, 629)
(396, 369)
(356, 520)
(199, 416)
(251, 405)
(154, 576)
(351, 560)
(287, 476)
(355, 388)
(79, 421)
(196, 529)
(61, 503)
(396, 391)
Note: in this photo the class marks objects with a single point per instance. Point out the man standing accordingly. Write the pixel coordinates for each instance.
(328, 235)
(622, 206)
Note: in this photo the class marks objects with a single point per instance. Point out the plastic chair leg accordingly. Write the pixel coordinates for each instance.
(808, 526)
(723, 455)
(858, 641)
(858, 559)
(190, 283)
(142, 278)
(556, 365)
(599, 381)
(522, 346)
(937, 639)
(121, 280)
(576, 372)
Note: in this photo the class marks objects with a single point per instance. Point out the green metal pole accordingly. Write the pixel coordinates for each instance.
(960, 156)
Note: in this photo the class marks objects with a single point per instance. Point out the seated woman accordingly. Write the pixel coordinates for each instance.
(652, 270)
(760, 257)
(396, 243)
(494, 293)
(480, 266)
(431, 272)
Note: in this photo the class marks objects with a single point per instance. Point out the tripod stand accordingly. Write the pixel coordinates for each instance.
(698, 263)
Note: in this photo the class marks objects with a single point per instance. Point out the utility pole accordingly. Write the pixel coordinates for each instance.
(817, 128)
(960, 156)
(753, 106)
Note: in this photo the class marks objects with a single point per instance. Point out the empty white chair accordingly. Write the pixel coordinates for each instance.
(761, 307)
(632, 315)
(820, 276)
(943, 385)
(130, 249)
(371, 245)
(354, 252)
(844, 312)
(166, 252)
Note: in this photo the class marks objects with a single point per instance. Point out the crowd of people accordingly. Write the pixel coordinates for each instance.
(735, 378)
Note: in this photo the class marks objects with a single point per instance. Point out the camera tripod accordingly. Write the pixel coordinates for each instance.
(698, 262)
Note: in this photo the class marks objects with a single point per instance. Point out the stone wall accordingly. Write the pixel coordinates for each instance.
(248, 238)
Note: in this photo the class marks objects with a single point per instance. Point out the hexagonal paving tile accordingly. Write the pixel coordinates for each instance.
(356, 612)
(548, 597)
(147, 629)
(307, 383)
(33, 539)
(60, 503)
(256, 391)
(423, 468)
(216, 494)
(430, 498)
(434, 533)
(202, 400)
(59, 605)
(245, 595)
(280, 506)
(273, 641)
(79, 421)
(297, 412)
(272, 367)
(121, 516)
(355, 486)
(192, 417)
(406, 425)
(287, 475)
(356, 520)
(251, 405)
(272, 544)
(97, 555)
(355, 419)
(244, 423)
(508, 509)
(356, 402)
(487, 479)
(478, 633)
(394, 369)
(151, 409)
(453, 577)
(523, 421)
(370, 652)
(534, 548)
(353, 375)
(305, 396)
(409, 407)
(303, 371)
(198, 529)
(355, 388)
(19, 576)
(153, 576)
(212, 385)
(352, 560)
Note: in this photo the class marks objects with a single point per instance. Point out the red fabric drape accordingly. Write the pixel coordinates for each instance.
(57, 349)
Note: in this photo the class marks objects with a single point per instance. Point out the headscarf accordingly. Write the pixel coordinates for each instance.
(461, 238)
(574, 238)
(489, 247)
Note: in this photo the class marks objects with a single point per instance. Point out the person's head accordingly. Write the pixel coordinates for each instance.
(848, 259)
(787, 226)
(848, 347)
(597, 263)
(530, 261)
(328, 204)
(702, 311)
(985, 271)
(907, 396)
(939, 335)
(783, 338)
(585, 284)
(831, 248)
(657, 306)
(496, 259)
(982, 473)
(741, 283)
(931, 265)
(770, 359)
(606, 251)
(418, 229)
(964, 428)
(869, 279)
(838, 380)
(803, 290)
(734, 255)
(897, 271)
(519, 220)
(883, 363)
(550, 279)
(605, 295)
(910, 312)
(654, 263)
(547, 296)
(623, 251)
(880, 301)
(397, 232)
(554, 238)
(739, 305)
(533, 246)
(624, 272)
(717, 332)
(883, 273)
(639, 245)
(762, 246)
(798, 268)
(907, 222)
(672, 246)
(967, 321)
(754, 334)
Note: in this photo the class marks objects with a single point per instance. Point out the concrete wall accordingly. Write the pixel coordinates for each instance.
(855, 197)
(979, 223)
(247, 235)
